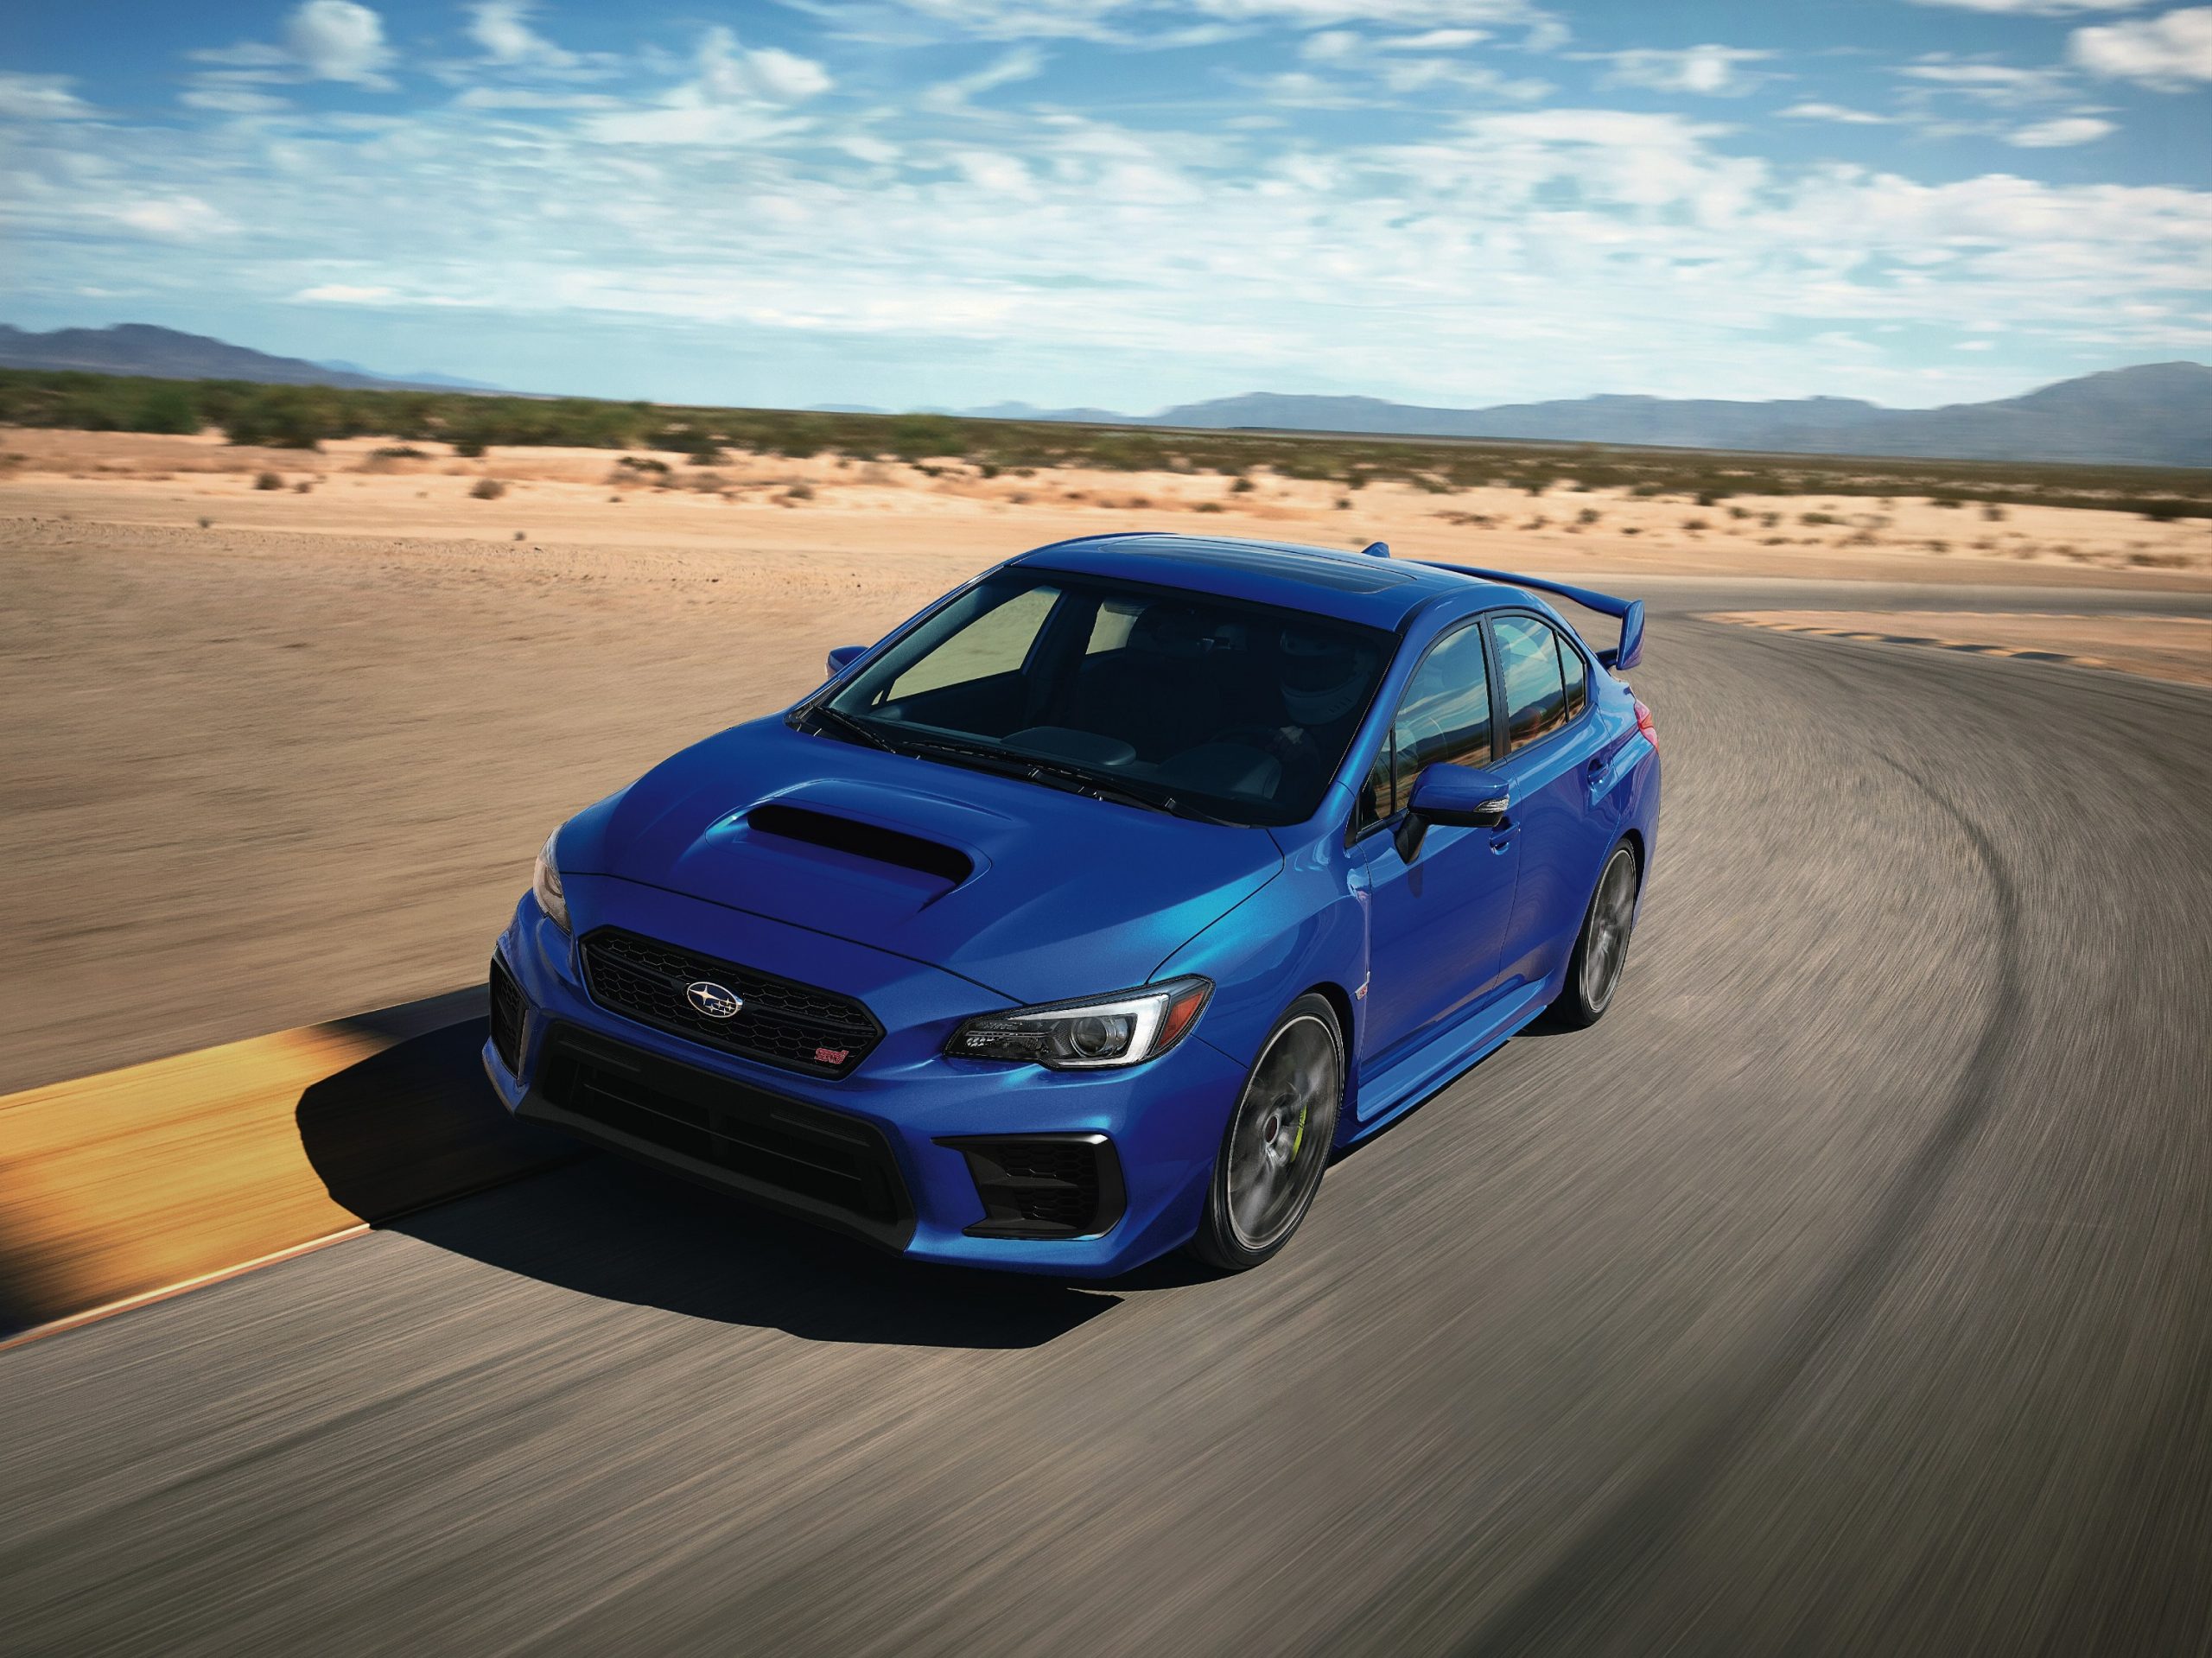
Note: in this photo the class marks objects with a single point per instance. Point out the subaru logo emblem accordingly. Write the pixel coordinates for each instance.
(714, 1000)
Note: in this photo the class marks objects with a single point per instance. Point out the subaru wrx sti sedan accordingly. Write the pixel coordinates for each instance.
(1086, 915)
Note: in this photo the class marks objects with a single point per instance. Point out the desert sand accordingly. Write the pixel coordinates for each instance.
(876, 510)
(292, 762)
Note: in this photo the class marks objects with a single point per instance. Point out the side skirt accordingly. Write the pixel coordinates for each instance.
(1443, 1058)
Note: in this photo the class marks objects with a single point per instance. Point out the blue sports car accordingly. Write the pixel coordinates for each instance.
(1087, 914)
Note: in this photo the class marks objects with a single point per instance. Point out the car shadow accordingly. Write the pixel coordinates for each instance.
(413, 1139)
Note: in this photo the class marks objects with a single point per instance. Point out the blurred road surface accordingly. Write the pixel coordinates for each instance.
(1849, 1289)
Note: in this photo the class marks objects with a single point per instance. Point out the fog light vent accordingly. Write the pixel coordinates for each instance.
(1043, 1185)
(508, 1012)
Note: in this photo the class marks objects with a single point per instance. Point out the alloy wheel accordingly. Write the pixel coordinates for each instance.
(1612, 916)
(1285, 1124)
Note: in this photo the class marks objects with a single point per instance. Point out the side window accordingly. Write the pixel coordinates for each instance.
(1444, 717)
(1578, 682)
(1536, 690)
(1110, 630)
(996, 641)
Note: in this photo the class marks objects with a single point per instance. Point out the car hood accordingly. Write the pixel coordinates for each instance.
(1027, 890)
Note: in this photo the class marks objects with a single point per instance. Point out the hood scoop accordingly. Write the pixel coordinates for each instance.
(842, 841)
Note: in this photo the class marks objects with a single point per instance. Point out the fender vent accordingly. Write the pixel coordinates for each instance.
(856, 838)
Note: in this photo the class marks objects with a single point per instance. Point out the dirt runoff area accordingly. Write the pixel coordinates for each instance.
(279, 754)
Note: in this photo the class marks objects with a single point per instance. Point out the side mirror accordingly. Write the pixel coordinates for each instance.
(1458, 797)
(843, 658)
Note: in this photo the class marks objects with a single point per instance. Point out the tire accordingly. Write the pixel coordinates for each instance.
(1593, 972)
(1278, 1141)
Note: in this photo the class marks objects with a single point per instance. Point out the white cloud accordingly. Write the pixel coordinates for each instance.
(324, 39)
(175, 219)
(739, 98)
(339, 293)
(502, 28)
(1335, 45)
(1422, 75)
(1434, 40)
(338, 40)
(1103, 19)
(866, 147)
(1994, 83)
(1402, 63)
(2054, 135)
(526, 97)
(1299, 89)
(1023, 63)
(768, 73)
(1814, 111)
(1331, 45)
(713, 125)
(995, 174)
(2168, 54)
(2036, 7)
(225, 99)
(39, 98)
(1711, 71)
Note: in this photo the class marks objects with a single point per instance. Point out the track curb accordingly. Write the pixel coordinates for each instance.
(123, 1188)
(1970, 647)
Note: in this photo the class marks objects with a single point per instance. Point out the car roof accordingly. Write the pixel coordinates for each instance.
(1381, 592)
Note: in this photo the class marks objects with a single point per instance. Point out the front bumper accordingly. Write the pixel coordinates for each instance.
(907, 1110)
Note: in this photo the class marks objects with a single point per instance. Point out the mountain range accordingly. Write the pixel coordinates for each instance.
(167, 354)
(2155, 414)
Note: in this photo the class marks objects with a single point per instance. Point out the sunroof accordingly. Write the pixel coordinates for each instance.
(1317, 568)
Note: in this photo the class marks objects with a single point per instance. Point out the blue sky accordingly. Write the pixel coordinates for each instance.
(1129, 203)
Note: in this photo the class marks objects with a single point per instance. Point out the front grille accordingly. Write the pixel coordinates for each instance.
(1044, 1186)
(783, 1023)
(784, 1150)
(508, 1011)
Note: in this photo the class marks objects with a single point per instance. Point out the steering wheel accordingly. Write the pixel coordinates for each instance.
(1272, 740)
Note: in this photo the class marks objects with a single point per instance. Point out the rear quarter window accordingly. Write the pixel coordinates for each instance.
(1533, 681)
(1578, 677)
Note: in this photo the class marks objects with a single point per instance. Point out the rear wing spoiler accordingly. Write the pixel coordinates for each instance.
(1628, 612)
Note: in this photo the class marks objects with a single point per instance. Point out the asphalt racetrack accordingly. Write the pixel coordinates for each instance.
(1849, 1289)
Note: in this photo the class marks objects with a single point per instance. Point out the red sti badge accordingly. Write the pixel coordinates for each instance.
(831, 1055)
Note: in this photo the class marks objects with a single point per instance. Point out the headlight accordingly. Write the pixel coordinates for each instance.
(545, 882)
(1125, 1029)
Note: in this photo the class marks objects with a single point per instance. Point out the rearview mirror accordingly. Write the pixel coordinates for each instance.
(843, 658)
(1457, 797)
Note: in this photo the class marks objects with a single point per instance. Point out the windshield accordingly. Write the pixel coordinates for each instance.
(1185, 701)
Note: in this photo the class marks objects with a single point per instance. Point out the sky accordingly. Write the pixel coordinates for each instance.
(1127, 204)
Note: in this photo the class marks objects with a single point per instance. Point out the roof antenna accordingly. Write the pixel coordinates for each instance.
(1376, 550)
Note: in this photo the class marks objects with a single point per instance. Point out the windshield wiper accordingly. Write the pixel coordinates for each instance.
(1076, 778)
(822, 714)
